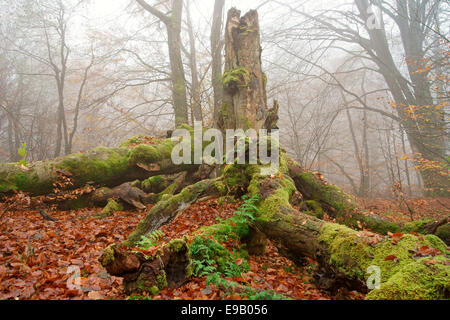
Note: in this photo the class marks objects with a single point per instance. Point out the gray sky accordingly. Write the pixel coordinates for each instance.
(105, 8)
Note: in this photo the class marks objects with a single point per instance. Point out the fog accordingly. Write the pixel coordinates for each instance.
(363, 94)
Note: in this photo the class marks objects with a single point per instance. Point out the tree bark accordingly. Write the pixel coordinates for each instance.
(344, 208)
(173, 26)
(195, 83)
(216, 52)
(102, 166)
(244, 102)
(427, 131)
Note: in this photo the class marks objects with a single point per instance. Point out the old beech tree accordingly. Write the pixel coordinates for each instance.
(344, 251)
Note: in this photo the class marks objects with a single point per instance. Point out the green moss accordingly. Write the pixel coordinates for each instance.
(443, 232)
(111, 207)
(164, 197)
(170, 190)
(315, 207)
(280, 198)
(6, 186)
(328, 193)
(156, 179)
(416, 226)
(101, 165)
(23, 181)
(133, 141)
(416, 281)
(179, 86)
(13, 177)
(220, 186)
(234, 176)
(352, 255)
(176, 245)
(155, 184)
(165, 148)
(347, 252)
(223, 109)
(143, 154)
(108, 255)
(236, 77)
(154, 290)
(141, 284)
(161, 280)
(245, 31)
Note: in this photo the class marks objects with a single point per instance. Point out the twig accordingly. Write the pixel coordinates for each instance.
(47, 216)
(4, 211)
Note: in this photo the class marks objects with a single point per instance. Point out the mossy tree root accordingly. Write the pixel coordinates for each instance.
(169, 207)
(344, 255)
(343, 207)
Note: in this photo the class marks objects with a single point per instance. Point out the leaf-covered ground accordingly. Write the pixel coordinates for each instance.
(404, 210)
(35, 254)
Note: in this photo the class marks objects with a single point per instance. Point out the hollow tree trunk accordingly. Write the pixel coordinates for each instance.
(244, 102)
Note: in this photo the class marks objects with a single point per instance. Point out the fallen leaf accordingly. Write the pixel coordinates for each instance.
(95, 295)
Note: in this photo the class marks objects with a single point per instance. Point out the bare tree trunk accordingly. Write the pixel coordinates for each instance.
(405, 162)
(216, 52)
(13, 156)
(427, 132)
(173, 26)
(195, 85)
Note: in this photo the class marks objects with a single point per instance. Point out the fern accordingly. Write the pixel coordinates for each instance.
(152, 240)
(237, 226)
(22, 151)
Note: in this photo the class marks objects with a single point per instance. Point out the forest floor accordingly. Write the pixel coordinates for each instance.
(37, 257)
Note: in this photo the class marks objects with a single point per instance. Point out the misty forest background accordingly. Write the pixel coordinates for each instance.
(371, 114)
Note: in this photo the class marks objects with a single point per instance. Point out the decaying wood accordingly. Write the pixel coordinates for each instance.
(168, 269)
(244, 101)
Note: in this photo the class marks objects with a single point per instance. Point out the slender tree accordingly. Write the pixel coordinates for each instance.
(173, 22)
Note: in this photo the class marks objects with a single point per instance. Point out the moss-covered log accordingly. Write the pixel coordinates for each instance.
(157, 184)
(169, 207)
(319, 196)
(103, 166)
(411, 266)
(344, 255)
